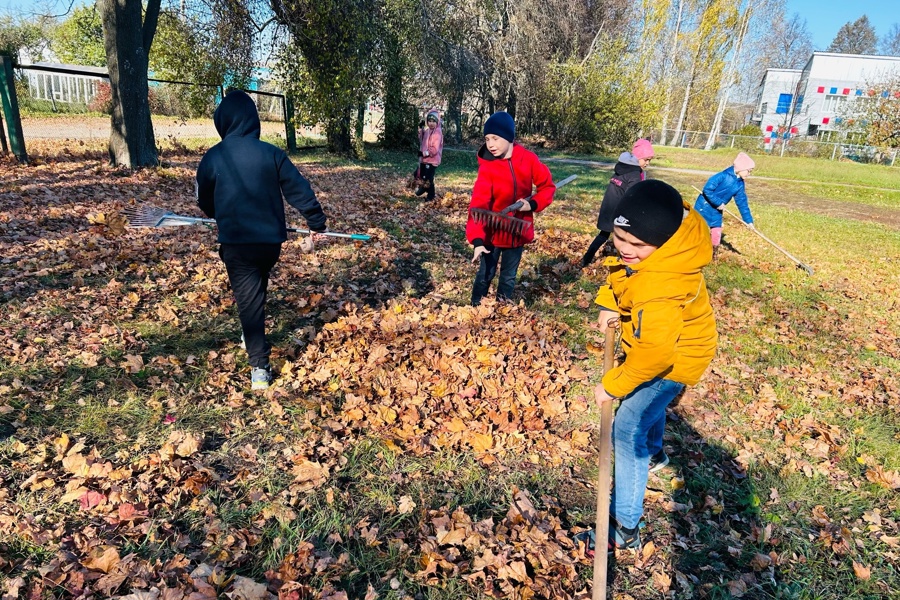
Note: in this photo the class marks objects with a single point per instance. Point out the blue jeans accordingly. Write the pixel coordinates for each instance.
(509, 265)
(638, 435)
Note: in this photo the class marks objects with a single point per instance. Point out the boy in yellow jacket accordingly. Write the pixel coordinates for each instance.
(657, 291)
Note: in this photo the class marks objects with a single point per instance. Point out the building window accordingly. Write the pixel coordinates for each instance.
(765, 108)
(833, 103)
(784, 104)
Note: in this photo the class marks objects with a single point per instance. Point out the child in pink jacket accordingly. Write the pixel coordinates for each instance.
(431, 145)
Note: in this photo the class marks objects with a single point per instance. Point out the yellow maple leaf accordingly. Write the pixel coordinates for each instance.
(482, 442)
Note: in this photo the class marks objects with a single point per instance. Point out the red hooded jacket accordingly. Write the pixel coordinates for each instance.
(504, 181)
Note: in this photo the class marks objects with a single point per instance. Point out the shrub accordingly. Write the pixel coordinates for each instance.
(102, 100)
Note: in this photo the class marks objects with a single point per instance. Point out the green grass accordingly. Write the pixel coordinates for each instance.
(782, 167)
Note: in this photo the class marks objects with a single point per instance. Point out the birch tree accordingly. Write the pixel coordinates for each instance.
(708, 43)
(729, 77)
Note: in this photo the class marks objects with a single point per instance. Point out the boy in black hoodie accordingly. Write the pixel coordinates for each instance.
(242, 183)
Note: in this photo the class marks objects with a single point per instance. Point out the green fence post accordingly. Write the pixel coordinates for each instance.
(11, 109)
(290, 134)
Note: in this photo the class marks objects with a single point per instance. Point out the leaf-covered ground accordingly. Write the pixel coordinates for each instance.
(415, 447)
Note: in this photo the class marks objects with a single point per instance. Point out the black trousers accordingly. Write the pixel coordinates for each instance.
(248, 267)
(508, 259)
(426, 172)
(594, 247)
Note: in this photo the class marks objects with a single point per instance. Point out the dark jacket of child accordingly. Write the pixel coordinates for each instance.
(668, 326)
(240, 180)
(501, 182)
(718, 191)
(626, 173)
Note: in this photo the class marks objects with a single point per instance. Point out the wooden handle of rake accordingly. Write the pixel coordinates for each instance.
(601, 534)
(793, 258)
(558, 185)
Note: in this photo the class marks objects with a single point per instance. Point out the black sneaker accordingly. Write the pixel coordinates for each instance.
(622, 538)
(658, 461)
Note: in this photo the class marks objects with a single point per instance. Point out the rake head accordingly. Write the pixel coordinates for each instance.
(151, 216)
(500, 222)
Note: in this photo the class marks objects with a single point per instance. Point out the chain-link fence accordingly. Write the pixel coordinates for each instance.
(781, 145)
(73, 103)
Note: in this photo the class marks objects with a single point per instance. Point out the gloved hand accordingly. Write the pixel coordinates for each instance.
(515, 206)
(422, 123)
(479, 250)
(426, 154)
(308, 244)
(751, 226)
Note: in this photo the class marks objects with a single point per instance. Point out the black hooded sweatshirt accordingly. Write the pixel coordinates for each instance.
(240, 180)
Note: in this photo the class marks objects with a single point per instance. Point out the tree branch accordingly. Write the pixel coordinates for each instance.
(151, 19)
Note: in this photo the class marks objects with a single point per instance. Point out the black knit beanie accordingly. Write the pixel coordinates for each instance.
(501, 124)
(651, 211)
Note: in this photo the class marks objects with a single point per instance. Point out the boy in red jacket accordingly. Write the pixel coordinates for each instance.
(507, 172)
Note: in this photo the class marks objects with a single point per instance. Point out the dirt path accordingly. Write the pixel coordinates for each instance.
(768, 192)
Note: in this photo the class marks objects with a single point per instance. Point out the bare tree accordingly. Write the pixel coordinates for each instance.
(790, 43)
(128, 35)
(890, 43)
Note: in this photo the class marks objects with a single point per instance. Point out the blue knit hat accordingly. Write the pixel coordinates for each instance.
(501, 124)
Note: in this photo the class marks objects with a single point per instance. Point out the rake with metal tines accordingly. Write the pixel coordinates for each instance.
(151, 216)
(503, 221)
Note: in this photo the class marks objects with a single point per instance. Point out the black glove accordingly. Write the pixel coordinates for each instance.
(421, 123)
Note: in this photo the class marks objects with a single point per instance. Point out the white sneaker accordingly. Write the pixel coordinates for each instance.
(260, 379)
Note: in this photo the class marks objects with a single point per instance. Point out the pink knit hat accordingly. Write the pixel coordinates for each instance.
(743, 163)
(642, 149)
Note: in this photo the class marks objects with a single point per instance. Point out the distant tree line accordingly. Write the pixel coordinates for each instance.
(576, 73)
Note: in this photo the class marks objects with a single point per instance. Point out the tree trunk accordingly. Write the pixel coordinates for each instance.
(127, 38)
(511, 102)
(454, 116)
(359, 145)
(337, 133)
(728, 82)
(687, 98)
(668, 96)
(396, 129)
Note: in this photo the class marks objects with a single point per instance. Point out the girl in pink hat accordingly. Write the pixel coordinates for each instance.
(628, 171)
(431, 146)
(719, 191)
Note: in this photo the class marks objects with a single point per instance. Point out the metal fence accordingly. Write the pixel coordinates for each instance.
(781, 145)
(65, 102)
(73, 103)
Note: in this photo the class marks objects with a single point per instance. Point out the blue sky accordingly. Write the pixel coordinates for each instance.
(825, 17)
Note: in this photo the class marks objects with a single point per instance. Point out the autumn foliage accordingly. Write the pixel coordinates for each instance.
(411, 443)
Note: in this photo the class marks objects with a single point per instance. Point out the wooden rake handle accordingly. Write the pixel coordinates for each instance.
(604, 477)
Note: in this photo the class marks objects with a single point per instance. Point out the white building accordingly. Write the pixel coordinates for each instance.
(70, 84)
(810, 101)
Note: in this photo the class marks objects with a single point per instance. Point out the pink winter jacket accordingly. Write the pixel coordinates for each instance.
(431, 142)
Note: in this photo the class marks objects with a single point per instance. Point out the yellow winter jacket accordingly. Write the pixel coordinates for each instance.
(668, 327)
